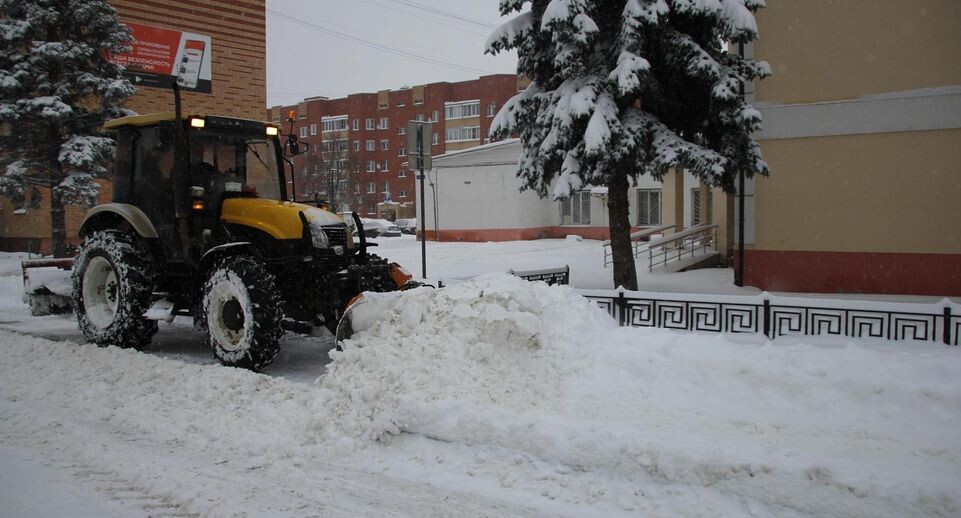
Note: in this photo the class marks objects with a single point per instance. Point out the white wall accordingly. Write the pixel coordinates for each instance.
(485, 197)
(479, 189)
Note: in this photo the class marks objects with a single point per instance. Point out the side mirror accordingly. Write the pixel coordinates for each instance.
(293, 145)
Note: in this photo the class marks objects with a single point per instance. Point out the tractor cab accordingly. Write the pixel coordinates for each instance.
(186, 173)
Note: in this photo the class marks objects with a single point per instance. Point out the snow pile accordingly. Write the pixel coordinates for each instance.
(495, 342)
(536, 374)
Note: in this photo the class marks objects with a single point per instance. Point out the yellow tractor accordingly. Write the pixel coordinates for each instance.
(200, 224)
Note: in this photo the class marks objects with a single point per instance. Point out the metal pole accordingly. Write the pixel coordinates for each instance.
(739, 278)
(423, 208)
(740, 229)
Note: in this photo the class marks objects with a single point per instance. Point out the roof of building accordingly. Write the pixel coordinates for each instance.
(494, 153)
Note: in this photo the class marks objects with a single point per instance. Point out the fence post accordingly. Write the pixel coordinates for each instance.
(946, 330)
(621, 304)
(767, 318)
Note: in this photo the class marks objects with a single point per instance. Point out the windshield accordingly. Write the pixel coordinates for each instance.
(222, 162)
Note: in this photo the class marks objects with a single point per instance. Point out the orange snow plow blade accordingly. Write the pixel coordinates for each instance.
(349, 323)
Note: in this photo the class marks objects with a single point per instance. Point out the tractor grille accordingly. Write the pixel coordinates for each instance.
(336, 235)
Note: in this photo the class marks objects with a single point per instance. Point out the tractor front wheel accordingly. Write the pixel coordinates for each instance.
(242, 313)
(113, 281)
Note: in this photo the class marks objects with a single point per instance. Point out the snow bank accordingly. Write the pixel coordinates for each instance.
(510, 392)
(521, 367)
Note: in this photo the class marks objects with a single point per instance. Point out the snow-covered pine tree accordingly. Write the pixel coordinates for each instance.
(56, 90)
(622, 88)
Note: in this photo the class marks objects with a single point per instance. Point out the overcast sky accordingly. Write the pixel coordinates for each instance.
(338, 47)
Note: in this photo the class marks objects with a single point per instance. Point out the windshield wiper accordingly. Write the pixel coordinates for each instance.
(256, 154)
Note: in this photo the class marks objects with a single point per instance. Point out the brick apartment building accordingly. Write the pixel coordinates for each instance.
(237, 29)
(364, 134)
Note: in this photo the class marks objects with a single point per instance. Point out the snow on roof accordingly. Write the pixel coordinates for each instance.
(475, 149)
(501, 153)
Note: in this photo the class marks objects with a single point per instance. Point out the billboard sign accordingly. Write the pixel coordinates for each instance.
(161, 56)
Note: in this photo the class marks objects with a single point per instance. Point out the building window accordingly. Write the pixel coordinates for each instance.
(419, 117)
(576, 209)
(402, 174)
(384, 165)
(370, 166)
(461, 110)
(384, 145)
(402, 152)
(401, 130)
(435, 140)
(303, 132)
(356, 188)
(435, 116)
(401, 194)
(386, 187)
(701, 207)
(418, 101)
(338, 123)
(355, 124)
(383, 123)
(462, 134)
(370, 145)
(356, 145)
(648, 207)
(313, 129)
(342, 145)
(401, 104)
(491, 109)
(371, 188)
(370, 124)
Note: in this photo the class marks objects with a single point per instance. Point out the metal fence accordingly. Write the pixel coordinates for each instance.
(776, 316)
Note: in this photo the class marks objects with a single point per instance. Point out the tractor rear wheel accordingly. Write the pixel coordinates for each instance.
(113, 281)
(242, 313)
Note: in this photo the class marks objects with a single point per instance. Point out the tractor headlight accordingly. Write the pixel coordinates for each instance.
(318, 237)
(316, 220)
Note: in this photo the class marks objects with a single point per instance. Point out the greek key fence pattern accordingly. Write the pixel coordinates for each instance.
(774, 320)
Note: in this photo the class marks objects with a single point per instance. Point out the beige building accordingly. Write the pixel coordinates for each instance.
(862, 131)
(237, 30)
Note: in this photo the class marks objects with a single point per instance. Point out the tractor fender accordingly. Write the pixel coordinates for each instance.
(239, 247)
(112, 215)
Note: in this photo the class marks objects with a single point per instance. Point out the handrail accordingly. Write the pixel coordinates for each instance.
(635, 237)
(644, 233)
(682, 234)
(687, 241)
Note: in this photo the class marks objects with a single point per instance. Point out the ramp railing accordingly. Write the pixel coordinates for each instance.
(636, 242)
(676, 246)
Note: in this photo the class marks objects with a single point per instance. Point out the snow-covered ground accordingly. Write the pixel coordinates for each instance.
(492, 397)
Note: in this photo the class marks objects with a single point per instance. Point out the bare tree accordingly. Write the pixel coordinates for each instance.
(331, 174)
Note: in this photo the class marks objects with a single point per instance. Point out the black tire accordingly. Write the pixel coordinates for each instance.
(113, 282)
(242, 313)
